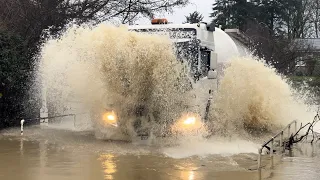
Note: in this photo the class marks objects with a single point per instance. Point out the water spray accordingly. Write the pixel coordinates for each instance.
(108, 65)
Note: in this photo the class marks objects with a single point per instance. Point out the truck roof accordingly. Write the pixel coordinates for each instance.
(206, 37)
(167, 26)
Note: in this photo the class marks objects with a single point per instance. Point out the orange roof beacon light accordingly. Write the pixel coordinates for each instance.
(159, 21)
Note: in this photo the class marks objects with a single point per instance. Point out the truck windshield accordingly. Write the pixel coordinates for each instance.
(187, 46)
(188, 52)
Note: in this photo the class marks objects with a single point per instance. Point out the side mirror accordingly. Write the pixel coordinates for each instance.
(213, 61)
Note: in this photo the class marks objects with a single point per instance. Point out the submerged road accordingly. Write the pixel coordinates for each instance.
(302, 163)
(67, 155)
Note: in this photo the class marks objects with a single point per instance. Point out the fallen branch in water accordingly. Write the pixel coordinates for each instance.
(295, 138)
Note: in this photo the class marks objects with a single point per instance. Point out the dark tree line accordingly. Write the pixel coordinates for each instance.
(290, 18)
(274, 26)
(15, 75)
(22, 23)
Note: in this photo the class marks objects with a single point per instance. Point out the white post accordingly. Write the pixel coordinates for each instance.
(271, 152)
(259, 162)
(21, 128)
(259, 157)
(44, 110)
(281, 138)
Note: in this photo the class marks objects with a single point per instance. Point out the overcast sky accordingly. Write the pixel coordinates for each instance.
(203, 6)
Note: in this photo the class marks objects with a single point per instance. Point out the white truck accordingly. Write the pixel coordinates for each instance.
(205, 47)
(201, 45)
(195, 44)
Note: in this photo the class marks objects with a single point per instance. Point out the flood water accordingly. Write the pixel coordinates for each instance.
(45, 154)
(62, 154)
(302, 163)
(81, 71)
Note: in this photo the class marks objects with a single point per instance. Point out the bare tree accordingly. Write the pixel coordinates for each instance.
(297, 19)
(314, 18)
(302, 20)
(22, 23)
(30, 17)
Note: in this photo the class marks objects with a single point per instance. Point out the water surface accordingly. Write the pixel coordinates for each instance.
(61, 154)
(50, 154)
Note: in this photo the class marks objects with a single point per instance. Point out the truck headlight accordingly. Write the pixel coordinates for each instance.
(110, 118)
(187, 123)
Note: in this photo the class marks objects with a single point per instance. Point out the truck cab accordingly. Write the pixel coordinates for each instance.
(194, 43)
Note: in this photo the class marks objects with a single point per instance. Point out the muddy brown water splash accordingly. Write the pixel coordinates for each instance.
(107, 66)
(253, 98)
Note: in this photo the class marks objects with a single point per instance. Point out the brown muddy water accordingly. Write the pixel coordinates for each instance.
(51, 154)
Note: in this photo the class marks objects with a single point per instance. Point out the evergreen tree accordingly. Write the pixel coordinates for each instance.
(269, 13)
(242, 13)
(232, 13)
(222, 13)
(194, 17)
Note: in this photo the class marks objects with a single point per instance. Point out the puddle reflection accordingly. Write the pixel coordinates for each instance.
(191, 175)
(109, 166)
